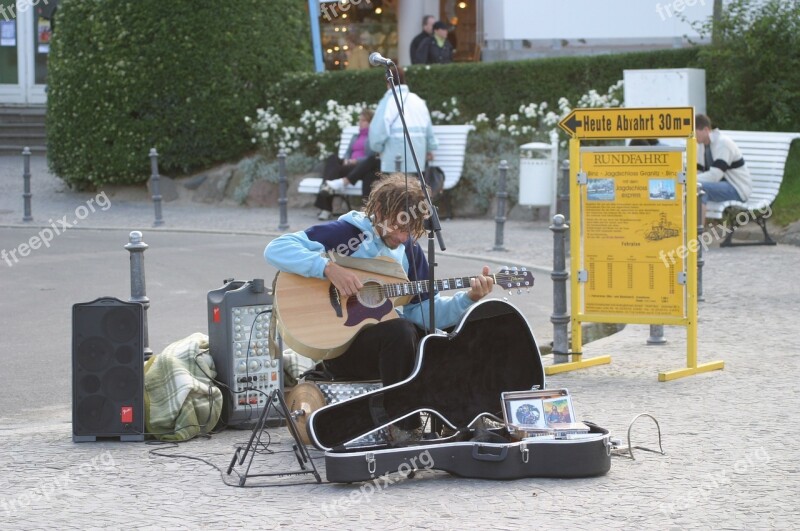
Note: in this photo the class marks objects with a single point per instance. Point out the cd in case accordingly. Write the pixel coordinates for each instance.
(546, 413)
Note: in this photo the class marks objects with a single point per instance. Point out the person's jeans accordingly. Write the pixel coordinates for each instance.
(719, 192)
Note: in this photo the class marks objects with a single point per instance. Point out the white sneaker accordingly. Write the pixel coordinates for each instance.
(334, 185)
(324, 215)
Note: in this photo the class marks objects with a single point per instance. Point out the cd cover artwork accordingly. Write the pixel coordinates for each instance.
(528, 413)
(557, 410)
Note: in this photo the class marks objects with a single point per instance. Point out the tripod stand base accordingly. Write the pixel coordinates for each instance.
(301, 453)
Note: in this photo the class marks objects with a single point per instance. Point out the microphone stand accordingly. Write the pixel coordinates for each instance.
(432, 225)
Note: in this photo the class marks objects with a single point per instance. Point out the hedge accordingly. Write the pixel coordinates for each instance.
(490, 88)
(127, 75)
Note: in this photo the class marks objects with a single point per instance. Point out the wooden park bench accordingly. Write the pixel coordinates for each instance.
(765, 155)
(449, 156)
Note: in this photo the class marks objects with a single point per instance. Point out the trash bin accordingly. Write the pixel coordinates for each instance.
(537, 173)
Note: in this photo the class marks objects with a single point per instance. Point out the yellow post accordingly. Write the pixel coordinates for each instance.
(691, 275)
(691, 265)
(575, 245)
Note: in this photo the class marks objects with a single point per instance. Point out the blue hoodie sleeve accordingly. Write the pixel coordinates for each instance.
(296, 253)
(303, 252)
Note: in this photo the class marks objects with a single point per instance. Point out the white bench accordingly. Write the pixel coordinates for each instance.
(449, 156)
(765, 156)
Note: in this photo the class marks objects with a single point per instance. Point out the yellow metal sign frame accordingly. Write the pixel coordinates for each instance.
(689, 319)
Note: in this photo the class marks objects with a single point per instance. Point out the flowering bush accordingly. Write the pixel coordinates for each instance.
(316, 132)
(535, 121)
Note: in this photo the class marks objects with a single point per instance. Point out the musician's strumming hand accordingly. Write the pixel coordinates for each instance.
(345, 280)
(481, 285)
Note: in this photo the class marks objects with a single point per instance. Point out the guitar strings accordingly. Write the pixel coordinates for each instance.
(383, 289)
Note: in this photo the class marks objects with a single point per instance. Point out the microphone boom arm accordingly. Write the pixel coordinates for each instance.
(434, 226)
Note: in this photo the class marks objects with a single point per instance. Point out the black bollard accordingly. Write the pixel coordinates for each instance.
(26, 183)
(560, 317)
(500, 218)
(155, 187)
(700, 230)
(283, 186)
(136, 247)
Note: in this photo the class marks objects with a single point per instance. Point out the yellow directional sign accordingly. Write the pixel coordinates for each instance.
(655, 122)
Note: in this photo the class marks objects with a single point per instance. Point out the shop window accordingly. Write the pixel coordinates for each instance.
(351, 30)
(9, 69)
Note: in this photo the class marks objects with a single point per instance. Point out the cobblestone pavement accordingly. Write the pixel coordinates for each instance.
(729, 436)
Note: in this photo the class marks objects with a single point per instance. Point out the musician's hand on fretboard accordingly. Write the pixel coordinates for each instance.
(481, 285)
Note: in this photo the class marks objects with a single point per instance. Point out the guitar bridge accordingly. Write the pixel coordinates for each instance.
(336, 303)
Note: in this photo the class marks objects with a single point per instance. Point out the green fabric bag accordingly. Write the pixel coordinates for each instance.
(181, 400)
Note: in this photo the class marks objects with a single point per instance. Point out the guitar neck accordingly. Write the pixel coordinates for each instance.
(420, 287)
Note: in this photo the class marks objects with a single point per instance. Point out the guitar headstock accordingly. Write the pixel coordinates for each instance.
(514, 278)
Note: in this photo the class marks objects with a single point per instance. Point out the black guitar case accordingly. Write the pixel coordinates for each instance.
(478, 458)
(458, 376)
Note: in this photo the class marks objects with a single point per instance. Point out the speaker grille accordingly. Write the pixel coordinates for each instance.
(94, 354)
(120, 325)
(120, 383)
(95, 413)
(108, 370)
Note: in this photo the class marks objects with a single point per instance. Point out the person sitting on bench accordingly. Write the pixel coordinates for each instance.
(722, 172)
(359, 164)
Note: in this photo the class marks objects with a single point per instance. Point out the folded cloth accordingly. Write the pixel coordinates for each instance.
(181, 400)
(294, 365)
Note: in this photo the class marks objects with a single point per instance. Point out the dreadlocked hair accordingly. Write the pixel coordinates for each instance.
(398, 203)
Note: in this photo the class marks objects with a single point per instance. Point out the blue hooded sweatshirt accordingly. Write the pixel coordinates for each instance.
(353, 234)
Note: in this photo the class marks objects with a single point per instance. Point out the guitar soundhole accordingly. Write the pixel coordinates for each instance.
(371, 294)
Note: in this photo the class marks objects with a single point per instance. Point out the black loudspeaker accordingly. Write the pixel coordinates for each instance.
(107, 370)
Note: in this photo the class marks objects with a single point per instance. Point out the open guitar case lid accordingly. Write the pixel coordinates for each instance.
(459, 377)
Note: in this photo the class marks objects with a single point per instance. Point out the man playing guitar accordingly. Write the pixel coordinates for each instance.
(389, 227)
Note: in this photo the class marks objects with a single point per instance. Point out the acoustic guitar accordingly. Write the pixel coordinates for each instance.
(318, 322)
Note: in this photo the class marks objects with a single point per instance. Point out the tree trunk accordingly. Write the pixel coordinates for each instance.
(717, 18)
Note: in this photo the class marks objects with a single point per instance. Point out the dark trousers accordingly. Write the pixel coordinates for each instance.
(365, 170)
(385, 351)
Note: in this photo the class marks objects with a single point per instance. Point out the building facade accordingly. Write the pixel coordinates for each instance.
(499, 30)
(344, 32)
(25, 30)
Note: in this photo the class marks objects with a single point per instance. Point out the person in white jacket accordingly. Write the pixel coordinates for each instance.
(722, 171)
(386, 129)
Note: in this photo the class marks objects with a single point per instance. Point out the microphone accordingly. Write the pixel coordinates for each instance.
(376, 59)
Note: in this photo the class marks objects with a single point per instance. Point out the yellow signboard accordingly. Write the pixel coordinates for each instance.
(616, 123)
(632, 226)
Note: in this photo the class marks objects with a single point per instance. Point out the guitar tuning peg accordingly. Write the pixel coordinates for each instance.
(504, 267)
(515, 269)
(510, 293)
(523, 269)
(519, 292)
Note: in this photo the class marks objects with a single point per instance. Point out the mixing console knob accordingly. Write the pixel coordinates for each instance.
(241, 367)
(254, 365)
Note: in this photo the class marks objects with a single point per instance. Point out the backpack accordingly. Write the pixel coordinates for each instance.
(434, 178)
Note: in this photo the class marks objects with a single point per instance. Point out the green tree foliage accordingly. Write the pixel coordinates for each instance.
(128, 75)
(753, 68)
